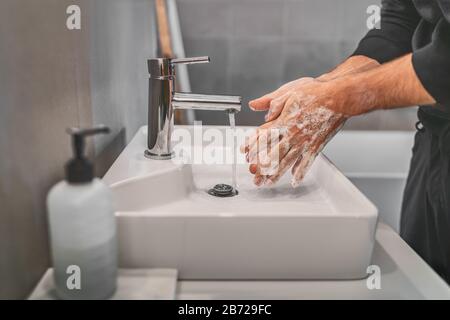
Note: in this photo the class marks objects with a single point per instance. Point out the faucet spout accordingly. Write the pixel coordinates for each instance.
(206, 102)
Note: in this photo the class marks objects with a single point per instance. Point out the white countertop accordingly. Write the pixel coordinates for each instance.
(404, 275)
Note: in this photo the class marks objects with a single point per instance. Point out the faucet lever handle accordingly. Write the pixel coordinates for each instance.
(194, 60)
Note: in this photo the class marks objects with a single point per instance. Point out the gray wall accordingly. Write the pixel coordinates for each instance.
(47, 77)
(257, 45)
(44, 88)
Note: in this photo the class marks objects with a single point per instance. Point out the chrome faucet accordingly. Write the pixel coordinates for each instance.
(163, 100)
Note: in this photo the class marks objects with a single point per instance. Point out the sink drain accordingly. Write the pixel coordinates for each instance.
(223, 190)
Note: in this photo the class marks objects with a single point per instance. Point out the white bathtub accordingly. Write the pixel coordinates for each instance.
(377, 162)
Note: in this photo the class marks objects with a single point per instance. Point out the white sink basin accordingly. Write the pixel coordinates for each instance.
(325, 229)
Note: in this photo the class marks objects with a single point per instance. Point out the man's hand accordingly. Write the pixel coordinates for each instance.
(273, 102)
(301, 121)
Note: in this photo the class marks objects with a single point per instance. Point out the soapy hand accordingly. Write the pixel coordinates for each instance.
(301, 119)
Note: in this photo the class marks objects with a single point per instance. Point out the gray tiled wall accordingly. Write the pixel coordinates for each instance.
(256, 45)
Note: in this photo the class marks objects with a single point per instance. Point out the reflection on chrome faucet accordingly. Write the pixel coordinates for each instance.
(163, 101)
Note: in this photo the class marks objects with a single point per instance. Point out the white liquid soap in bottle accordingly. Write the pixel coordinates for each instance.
(82, 228)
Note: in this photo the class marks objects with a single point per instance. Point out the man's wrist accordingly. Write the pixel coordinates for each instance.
(350, 95)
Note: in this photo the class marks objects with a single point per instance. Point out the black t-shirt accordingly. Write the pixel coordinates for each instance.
(421, 27)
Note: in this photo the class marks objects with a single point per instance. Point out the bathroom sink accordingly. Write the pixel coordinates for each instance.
(324, 229)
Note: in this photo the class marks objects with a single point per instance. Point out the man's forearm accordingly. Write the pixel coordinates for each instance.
(391, 85)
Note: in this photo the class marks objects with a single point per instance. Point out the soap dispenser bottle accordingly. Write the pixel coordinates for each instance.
(82, 228)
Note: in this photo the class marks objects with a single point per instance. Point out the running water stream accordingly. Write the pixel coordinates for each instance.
(231, 116)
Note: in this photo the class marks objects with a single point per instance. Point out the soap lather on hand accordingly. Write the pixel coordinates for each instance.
(299, 124)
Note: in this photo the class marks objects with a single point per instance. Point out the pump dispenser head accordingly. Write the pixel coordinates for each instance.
(80, 169)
